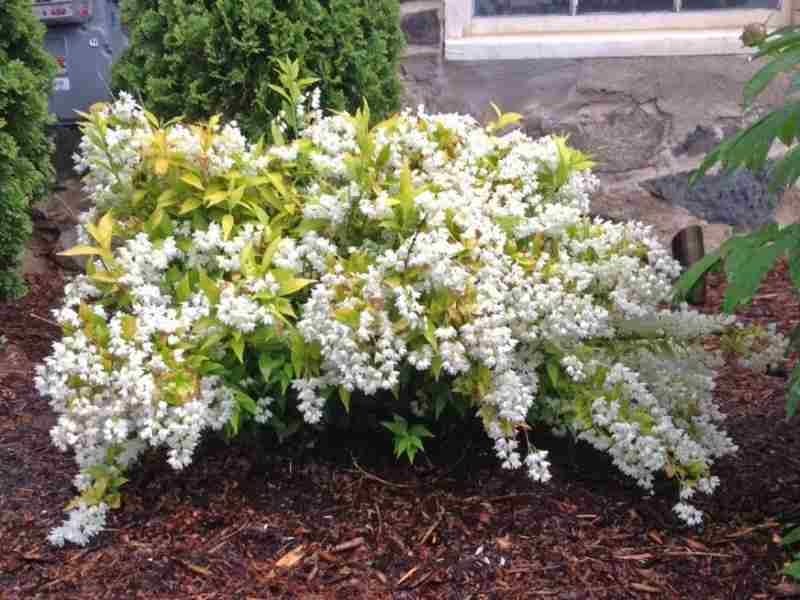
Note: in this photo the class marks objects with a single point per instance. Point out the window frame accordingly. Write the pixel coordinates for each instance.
(662, 33)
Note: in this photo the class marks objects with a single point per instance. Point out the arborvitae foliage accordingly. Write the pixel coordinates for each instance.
(26, 78)
(203, 57)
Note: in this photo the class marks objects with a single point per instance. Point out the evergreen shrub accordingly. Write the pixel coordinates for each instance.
(26, 79)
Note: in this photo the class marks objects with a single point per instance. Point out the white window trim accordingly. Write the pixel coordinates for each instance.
(599, 35)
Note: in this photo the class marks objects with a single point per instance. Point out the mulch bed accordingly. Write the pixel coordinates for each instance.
(341, 520)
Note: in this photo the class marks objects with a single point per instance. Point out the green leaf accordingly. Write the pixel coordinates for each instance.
(750, 148)
(439, 404)
(436, 366)
(299, 353)
(793, 395)
(759, 81)
(747, 262)
(553, 372)
(793, 569)
(787, 169)
(237, 344)
(183, 291)
(420, 431)
(792, 537)
(210, 288)
(267, 363)
(246, 402)
(430, 334)
(236, 418)
(398, 427)
(693, 275)
(344, 396)
(794, 265)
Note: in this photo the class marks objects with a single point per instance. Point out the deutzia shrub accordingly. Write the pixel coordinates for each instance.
(428, 257)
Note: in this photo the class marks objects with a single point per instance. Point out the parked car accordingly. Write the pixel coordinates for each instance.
(85, 36)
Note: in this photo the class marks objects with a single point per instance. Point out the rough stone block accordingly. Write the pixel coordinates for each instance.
(423, 28)
(666, 220)
(741, 199)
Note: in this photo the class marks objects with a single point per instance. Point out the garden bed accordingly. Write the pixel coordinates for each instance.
(342, 520)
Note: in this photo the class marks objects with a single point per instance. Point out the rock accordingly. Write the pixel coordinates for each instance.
(55, 218)
(788, 210)
(699, 142)
(422, 28)
(66, 140)
(36, 259)
(68, 239)
(741, 199)
(666, 220)
(61, 208)
(618, 137)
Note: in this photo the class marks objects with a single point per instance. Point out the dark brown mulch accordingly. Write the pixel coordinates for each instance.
(318, 524)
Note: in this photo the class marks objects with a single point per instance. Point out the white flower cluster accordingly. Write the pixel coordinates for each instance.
(83, 523)
(446, 252)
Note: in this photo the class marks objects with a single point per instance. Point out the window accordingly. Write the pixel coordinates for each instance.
(494, 8)
(508, 29)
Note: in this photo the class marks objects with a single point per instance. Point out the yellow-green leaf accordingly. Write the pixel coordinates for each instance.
(214, 198)
(155, 219)
(190, 205)
(129, 326)
(237, 194)
(167, 198)
(277, 181)
(161, 166)
(105, 229)
(193, 180)
(138, 196)
(284, 307)
(269, 253)
(83, 251)
(104, 277)
(291, 286)
(227, 226)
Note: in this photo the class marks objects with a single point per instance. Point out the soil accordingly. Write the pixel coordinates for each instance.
(342, 520)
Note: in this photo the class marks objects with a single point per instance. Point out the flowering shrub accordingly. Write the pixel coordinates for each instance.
(429, 257)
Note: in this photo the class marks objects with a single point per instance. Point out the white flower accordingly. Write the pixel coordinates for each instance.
(82, 524)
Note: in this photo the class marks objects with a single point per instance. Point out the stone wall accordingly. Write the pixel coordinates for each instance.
(639, 117)
(642, 119)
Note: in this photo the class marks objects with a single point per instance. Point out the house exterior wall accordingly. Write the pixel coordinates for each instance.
(640, 117)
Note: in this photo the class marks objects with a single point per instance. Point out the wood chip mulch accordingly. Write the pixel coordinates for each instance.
(341, 520)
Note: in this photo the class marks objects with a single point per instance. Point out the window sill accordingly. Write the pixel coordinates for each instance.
(604, 44)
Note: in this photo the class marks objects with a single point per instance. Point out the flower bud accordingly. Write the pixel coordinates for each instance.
(754, 34)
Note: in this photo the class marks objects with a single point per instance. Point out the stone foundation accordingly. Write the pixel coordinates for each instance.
(641, 119)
